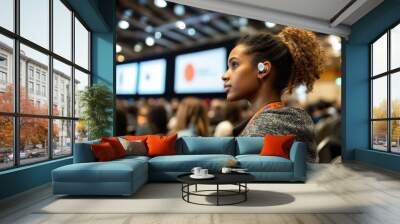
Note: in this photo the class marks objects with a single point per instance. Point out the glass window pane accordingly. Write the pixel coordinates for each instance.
(81, 131)
(379, 135)
(6, 74)
(33, 139)
(6, 142)
(81, 81)
(81, 45)
(62, 138)
(7, 14)
(395, 47)
(379, 55)
(34, 96)
(62, 89)
(35, 21)
(395, 136)
(395, 94)
(62, 29)
(379, 97)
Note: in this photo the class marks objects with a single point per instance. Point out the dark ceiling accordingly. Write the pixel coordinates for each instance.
(148, 20)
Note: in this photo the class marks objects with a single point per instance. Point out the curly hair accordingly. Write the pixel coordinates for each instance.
(295, 55)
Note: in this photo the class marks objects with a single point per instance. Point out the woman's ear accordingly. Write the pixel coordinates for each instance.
(264, 69)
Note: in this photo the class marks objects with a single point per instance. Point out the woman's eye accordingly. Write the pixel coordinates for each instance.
(234, 64)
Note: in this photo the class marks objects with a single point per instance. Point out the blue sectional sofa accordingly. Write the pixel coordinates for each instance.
(125, 176)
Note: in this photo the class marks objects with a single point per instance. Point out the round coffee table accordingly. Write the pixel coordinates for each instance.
(238, 179)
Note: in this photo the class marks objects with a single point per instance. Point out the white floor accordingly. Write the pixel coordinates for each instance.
(379, 190)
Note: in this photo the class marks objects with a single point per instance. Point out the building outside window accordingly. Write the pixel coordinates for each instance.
(30, 87)
(30, 72)
(3, 78)
(59, 133)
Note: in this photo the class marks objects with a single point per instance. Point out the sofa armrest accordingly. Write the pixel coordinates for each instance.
(83, 152)
(298, 154)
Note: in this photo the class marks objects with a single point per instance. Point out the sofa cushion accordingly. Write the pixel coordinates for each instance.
(131, 158)
(133, 147)
(116, 145)
(83, 152)
(206, 145)
(277, 145)
(249, 145)
(257, 163)
(161, 145)
(111, 171)
(103, 152)
(135, 137)
(185, 163)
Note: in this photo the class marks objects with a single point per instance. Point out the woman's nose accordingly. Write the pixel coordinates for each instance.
(225, 76)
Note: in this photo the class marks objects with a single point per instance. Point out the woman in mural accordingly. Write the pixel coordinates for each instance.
(261, 68)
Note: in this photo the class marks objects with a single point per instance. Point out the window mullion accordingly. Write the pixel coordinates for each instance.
(73, 82)
(16, 85)
(50, 81)
(389, 106)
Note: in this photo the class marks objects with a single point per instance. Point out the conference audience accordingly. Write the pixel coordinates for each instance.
(191, 118)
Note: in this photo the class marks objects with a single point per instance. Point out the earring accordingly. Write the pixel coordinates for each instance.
(260, 67)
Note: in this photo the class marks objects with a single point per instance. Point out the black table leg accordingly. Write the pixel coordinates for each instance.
(245, 193)
(196, 188)
(217, 194)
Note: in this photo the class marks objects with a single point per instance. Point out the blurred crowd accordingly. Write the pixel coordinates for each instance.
(193, 116)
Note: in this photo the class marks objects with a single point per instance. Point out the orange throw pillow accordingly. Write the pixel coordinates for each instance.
(275, 145)
(116, 145)
(103, 151)
(161, 145)
(136, 137)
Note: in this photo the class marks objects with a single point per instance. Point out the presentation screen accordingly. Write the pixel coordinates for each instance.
(200, 72)
(152, 76)
(126, 79)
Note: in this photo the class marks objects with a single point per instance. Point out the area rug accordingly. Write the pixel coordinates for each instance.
(167, 198)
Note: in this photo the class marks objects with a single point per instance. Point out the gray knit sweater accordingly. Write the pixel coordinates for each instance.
(284, 121)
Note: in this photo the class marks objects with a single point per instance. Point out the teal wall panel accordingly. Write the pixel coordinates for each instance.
(355, 87)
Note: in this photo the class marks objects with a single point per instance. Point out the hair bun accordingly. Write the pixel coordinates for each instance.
(307, 55)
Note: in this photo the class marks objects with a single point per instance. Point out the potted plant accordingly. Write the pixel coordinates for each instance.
(96, 103)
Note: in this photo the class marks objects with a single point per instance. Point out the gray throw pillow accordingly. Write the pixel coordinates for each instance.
(135, 147)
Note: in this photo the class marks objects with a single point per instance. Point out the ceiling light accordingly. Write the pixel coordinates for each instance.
(180, 24)
(242, 21)
(205, 18)
(128, 13)
(234, 22)
(158, 35)
(149, 41)
(191, 31)
(120, 58)
(338, 81)
(148, 29)
(123, 24)
(179, 10)
(270, 25)
(118, 48)
(160, 3)
(335, 43)
(138, 47)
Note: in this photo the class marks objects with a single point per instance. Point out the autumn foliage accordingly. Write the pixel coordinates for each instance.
(33, 131)
(380, 127)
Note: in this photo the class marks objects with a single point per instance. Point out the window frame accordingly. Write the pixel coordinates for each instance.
(388, 74)
(16, 114)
